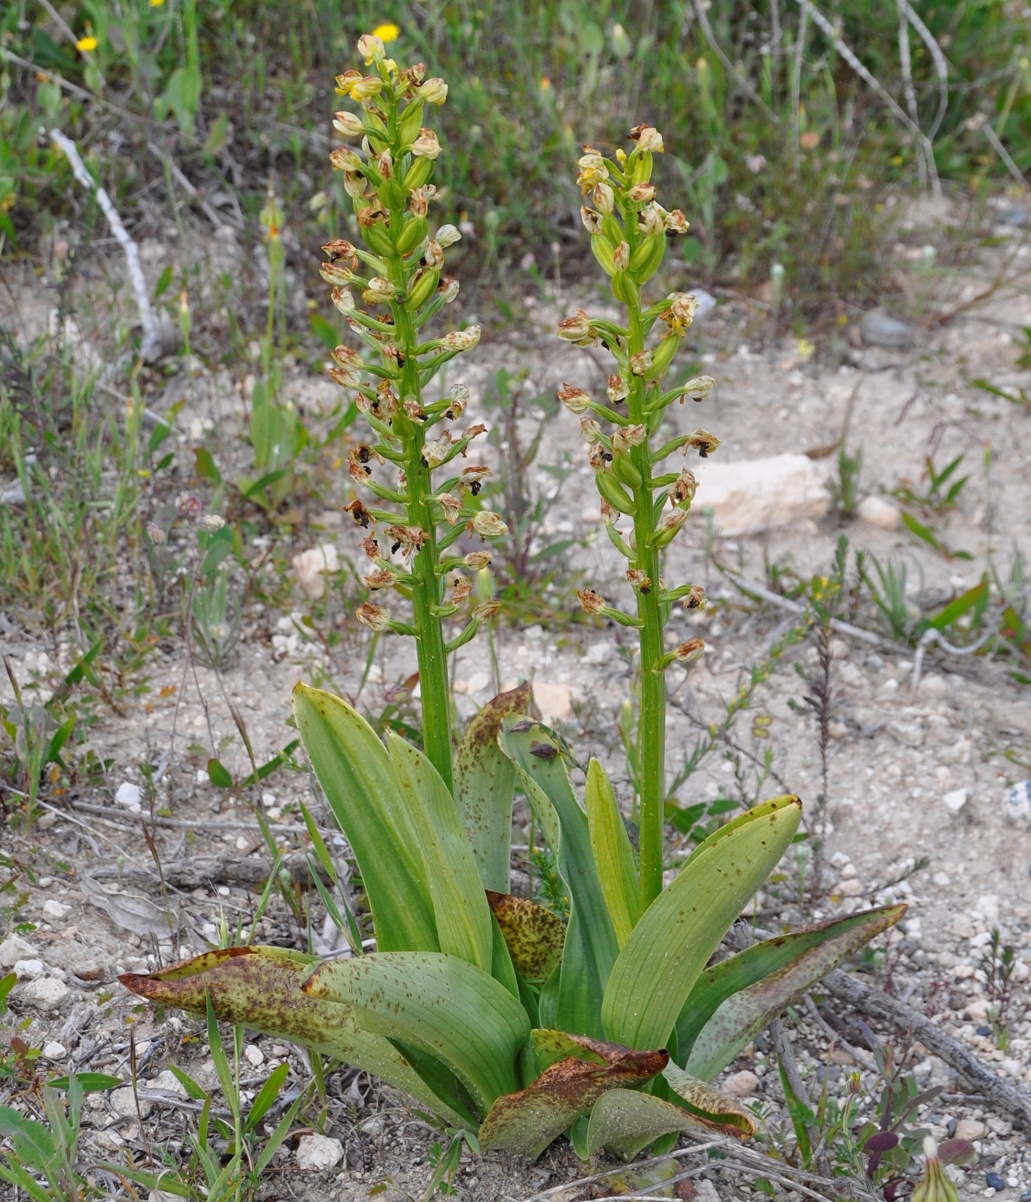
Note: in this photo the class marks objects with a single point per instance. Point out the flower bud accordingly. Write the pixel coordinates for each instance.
(370, 47)
(434, 91)
(486, 610)
(934, 1186)
(366, 87)
(355, 184)
(385, 164)
(488, 525)
(621, 256)
(448, 289)
(447, 236)
(617, 388)
(689, 651)
(343, 158)
(477, 560)
(698, 388)
(336, 273)
(575, 399)
(640, 193)
(379, 291)
(577, 330)
(374, 616)
(668, 529)
(590, 431)
(426, 145)
(603, 198)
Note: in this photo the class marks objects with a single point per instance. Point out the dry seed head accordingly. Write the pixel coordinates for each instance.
(592, 601)
(689, 651)
(575, 399)
(380, 578)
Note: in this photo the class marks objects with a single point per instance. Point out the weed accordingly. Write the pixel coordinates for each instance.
(846, 489)
(997, 963)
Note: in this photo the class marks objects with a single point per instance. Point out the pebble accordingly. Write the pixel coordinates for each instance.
(13, 949)
(318, 1152)
(971, 1129)
(878, 329)
(311, 567)
(128, 795)
(55, 909)
(1017, 807)
(47, 993)
(994, 1181)
(54, 1050)
(955, 800)
(123, 1102)
(876, 512)
(1025, 1196)
(29, 970)
(740, 1085)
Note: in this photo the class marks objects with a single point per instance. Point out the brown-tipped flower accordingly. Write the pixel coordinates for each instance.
(603, 198)
(590, 431)
(477, 560)
(344, 377)
(340, 248)
(379, 292)
(617, 388)
(670, 526)
(343, 158)
(695, 597)
(486, 610)
(380, 578)
(434, 91)
(343, 300)
(461, 340)
(345, 83)
(591, 220)
(360, 514)
(460, 590)
(437, 450)
(413, 410)
(703, 442)
(406, 539)
(370, 47)
(448, 235)
(347, 357)
(433, 255)
(698, 389)
(683, 306)
(682, 492)
(487, 524)
(387, 401)
(676, 222)
(598, 457)
(575, 399)
(426, 145)
(473, 477)
(374, 616)
(338, 274)
(642, 193)
(689, 651)
(385, 164)
(448, 289)
(366, 88)
(621, 256)
(577, 330)
(355, 184)
(652, 219)
(641, 362)
(628, 436)
(592, 601)
(648, 138)
(640, 581)
(609, 514)
(450, 505)
(593, 170)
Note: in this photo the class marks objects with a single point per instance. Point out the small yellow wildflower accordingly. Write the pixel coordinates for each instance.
(806, 349)
(387, 32)
(86, 44)
(156, 3)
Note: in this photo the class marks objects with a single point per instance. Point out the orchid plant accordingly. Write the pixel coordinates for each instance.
(505, 1019)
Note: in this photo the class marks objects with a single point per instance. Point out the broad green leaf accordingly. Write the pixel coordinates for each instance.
(358, 779)
(955, 610)
(674, 938)
(34, 1145)
(533, 934)
(261, 987)
(613, 854)
(706, 1104)
(525, 1123)
(484, 781)
(736, 999)
(438, 1003)
(88, 1082)
(624, 1122)
(460, 908)
(570, 1000)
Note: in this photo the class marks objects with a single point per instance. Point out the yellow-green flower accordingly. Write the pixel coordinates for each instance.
(387, 32)
(156, 3)
(87, 44)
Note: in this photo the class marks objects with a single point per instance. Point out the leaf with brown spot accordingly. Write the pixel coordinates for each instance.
(533, 934)
(484, 782)
(260, 987)
(524, 1123)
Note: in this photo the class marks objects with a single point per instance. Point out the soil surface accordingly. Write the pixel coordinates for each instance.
(912, 803)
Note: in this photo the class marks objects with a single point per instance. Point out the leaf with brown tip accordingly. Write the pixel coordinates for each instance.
(533, 934)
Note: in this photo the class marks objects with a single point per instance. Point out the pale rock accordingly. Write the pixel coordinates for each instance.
(754, 495)
(598, 654)
(987, 905)
(705, 1191)
(955, 800)
(29, 970)
(877, 512)
(878, 329)
(128, 795)
(54, 1050)
(962, 926)
(971, 1129)
(851, 887)
(254, 1055)
(477, 683)
(555, 701)
(317, 1153)
(374, 1126)
(1012, 1068)
(311, 566)
(740, 1085)
(45, 994)
(123, 1102)
(55, 909)
(13, 949)
(169, 1082)
(977, 1011)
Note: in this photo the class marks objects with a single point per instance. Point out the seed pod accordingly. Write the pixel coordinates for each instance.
(603, 252)
(613, 492)
(623, 467)
(424, 285)
(662, 357)
(413, 232)
(419, 172)
(647, 259)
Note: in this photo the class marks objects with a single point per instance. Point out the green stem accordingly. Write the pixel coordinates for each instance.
(427, 586)
(651, 722)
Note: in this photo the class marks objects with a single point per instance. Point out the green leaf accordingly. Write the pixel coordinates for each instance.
(206, 466)
(952, 612)
(34, 1145)
(624, 1122)
(89, 1082)
(440, 1004)
(612, 852)
(358, 779)
(324, 330)
(570, 1000)
(460, 907)
(219, 774)
(736, 999)
(261, 987)
(484, 781)
(660, 962)
(533, 935)
(524, 1123)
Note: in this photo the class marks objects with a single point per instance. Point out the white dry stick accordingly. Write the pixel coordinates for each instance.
(150, 347)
